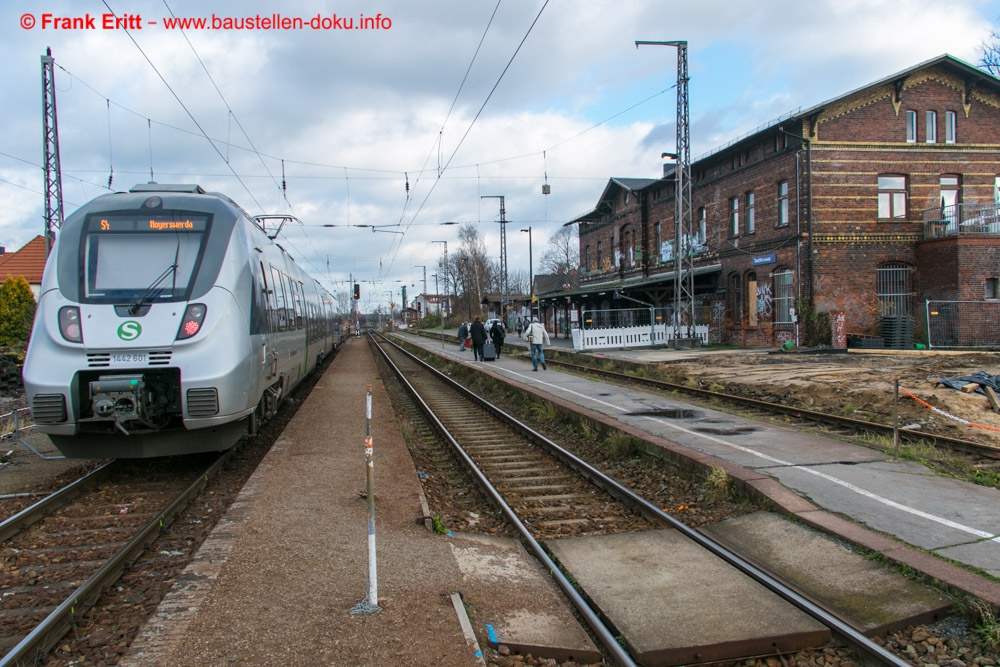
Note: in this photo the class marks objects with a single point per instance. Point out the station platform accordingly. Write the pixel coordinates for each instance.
(900, 509)
(284, 577)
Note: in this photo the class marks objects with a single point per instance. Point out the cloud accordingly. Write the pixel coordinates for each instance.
(331, 126)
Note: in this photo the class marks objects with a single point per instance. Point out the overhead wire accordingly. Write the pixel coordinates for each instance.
(194, 120)
(377, 173)
(476, 117)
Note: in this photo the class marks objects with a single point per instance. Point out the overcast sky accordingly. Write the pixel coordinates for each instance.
(357, 115)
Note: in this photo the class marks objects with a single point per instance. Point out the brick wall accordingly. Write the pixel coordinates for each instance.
(853, 140)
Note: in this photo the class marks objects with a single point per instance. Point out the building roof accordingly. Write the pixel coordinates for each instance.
(973, 76)
(614, 184)
(29, 262)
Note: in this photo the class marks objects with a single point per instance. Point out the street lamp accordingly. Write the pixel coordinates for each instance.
(531, 275)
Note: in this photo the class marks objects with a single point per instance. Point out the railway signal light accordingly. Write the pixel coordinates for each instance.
(357, 291)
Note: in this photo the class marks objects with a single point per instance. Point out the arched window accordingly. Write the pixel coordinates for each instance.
(755, 304)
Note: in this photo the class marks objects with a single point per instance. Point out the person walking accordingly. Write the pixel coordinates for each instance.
(497, 335)
(520, 326)
(478, 333)
(463, 333)
(537, 337)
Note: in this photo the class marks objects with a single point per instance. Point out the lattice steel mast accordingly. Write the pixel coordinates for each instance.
(50, 141)
(503, 257)
(684, 239)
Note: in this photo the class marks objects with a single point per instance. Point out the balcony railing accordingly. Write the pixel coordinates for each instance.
(962, 220)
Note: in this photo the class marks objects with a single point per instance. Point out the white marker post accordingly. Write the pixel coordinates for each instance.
(369, 604)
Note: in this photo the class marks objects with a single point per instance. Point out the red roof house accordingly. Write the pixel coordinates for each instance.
(29, 262)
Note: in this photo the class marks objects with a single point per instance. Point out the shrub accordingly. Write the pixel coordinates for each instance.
(17, 311)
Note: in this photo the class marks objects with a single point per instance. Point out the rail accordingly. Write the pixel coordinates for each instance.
(51, 630)
(868, 649)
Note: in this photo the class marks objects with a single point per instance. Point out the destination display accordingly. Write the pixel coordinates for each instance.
(123, 223)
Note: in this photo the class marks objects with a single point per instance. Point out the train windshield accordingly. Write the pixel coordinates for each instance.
(154, 258)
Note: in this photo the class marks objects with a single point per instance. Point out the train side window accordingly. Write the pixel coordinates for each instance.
(297, 292)
(270, 315)
(279, 299)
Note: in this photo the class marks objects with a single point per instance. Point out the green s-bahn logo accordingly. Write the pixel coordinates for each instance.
(129, 330)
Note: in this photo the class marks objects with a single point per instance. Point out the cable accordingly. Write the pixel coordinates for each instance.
(475, 118)
(183, 106)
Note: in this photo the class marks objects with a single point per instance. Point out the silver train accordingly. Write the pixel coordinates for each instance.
(169, 323)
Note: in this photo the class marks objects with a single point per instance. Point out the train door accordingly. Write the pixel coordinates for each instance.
(268, 356)
(302, 325)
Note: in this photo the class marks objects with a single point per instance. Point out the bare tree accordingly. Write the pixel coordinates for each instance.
(472, 270)
(990, 60)
(342, 298)
(517, 281)
(563, 253)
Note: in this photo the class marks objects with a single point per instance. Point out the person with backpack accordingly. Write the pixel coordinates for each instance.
(497, 335)
(478, 333)
(537, 337)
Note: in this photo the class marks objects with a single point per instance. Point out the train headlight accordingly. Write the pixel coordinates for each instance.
(69, 324)
(191, 324)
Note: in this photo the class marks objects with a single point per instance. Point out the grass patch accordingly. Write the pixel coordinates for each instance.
(622, 445)
(985, 624)
(718, 484)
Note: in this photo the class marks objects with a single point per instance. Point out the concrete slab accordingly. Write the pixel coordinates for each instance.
(828, 572)
(547, 627)
(674, 603)
(984, 554)
(902, 499)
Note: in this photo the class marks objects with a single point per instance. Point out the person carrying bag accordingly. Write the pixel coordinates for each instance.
(537, 337)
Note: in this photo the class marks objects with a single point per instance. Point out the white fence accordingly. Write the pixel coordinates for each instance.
(628, 328)
(623, 338)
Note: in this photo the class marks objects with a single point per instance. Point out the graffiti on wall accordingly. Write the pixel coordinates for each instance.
(764, 298)
(838, 326)
(718, 317)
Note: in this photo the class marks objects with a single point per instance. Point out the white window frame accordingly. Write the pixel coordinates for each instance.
(911, 126)
(931, 129)
(702, 226)
(734, 216)
(784, 296)
(782, 204)
(950, 127)
(750, 225)
(891, 197)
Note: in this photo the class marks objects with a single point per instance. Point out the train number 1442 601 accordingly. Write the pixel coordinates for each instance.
(130, 358)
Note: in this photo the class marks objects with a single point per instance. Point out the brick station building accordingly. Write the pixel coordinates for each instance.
(859, 208)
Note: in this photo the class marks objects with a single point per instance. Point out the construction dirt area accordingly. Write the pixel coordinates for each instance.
(860, 385)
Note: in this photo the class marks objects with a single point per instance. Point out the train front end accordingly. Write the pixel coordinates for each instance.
(139, 348)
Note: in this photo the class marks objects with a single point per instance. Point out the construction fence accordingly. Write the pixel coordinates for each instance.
(963, 324)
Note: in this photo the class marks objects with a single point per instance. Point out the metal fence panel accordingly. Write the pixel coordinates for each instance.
(971, 324)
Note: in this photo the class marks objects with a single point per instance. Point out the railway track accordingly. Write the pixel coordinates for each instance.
(61, 553)
(548, 493)
(831, 423)
(838, 423)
